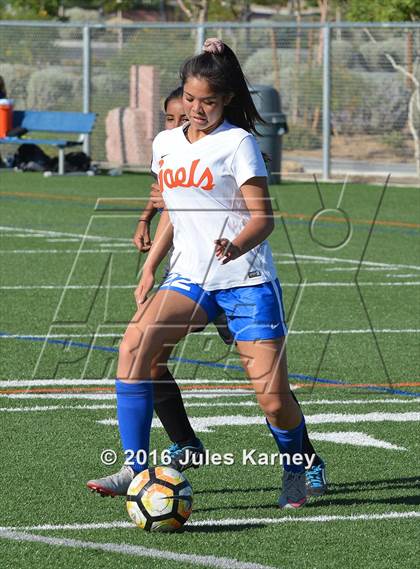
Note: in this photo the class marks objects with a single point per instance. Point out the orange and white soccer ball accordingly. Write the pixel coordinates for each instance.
(159, 499)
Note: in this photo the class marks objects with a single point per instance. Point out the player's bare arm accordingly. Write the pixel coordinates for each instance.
(258, 228)
(156, 197)
(161, 245)
(141, 238)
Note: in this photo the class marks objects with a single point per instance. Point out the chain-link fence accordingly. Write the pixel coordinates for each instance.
(349, 91)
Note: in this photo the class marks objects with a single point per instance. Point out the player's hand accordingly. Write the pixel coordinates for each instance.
(145, 286)
(141, 237)
(226, 251)
(156, 196)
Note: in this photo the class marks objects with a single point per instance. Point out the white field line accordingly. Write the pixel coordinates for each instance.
(82, 335)
(133, 550)
(44, 408)
(224, 522)
(29, 236)
(321, 259)
(374, 417)
(310, 519)
(303, 258)
(114, 245)
(133, 250)
(86, 382)
(354, 438)
(404, 276)
(352, 269)
(209, 333)
(206, 395)
(132, 286)
(357, 401)
(358, 331)
(347, 437)
(47, 233)
(63, 240)
(308, 258)
(54, 251)
(55, 382)
(111, 382)
(191, 382)
(99, 407)
(207, 424)
(293, 263)
(199, 394)
(112, 397)
(68, 287)
(352, 284)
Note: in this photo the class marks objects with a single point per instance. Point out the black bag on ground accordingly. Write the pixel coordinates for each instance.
(18, 131)
(77, 162)
(73, 162)
(31, 158)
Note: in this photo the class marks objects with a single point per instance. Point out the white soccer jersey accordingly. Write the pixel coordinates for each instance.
(201, 188)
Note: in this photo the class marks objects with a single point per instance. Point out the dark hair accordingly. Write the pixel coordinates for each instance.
(175, 94)
(224, 74)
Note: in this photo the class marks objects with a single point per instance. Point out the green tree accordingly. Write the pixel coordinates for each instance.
(382, 10)
(221, 10)
(391, 11)
(51, 8)
(29, 8)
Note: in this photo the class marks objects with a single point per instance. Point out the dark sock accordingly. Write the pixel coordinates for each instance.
(222, 328)
(169, 407)
(307, 447)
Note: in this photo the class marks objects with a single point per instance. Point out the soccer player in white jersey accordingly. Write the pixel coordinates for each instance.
(218, 215)
(186, 448)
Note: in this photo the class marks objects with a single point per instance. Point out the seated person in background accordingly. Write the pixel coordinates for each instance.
(3, 93)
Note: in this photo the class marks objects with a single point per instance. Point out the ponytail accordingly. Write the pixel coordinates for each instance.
(219, 66)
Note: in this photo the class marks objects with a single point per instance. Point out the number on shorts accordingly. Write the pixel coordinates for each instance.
(177, 282)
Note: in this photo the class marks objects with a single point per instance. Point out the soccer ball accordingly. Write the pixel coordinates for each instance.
(159, 499)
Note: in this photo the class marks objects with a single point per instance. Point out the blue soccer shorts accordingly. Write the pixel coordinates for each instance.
(253, 312)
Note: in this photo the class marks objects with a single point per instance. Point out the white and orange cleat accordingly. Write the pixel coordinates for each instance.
(115, 484)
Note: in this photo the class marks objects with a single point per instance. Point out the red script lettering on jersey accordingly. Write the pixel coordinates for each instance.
(181, 179)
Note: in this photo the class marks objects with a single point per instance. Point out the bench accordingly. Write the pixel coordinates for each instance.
(55, 122)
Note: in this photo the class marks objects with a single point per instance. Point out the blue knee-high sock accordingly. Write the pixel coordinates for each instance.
(135, 412)
(289, 443)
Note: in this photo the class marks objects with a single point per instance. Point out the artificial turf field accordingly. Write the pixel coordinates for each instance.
(351, 291)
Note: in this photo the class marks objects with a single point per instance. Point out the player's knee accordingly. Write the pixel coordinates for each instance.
(158, 370)
(278, 406)
(128, 350)
(273, 409)
(123, 350)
